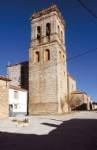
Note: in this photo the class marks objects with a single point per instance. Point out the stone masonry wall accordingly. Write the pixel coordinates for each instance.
(43, 82)
(18, 74)
(3, 99)
(14, 73)
(47, 80)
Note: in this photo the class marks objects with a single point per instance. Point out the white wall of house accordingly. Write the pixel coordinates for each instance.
(18, 101)
(94, 106)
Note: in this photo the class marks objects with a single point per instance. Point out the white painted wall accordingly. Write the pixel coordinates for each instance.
(94, 106)
(20, 101)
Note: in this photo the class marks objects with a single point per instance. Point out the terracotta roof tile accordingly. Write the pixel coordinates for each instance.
(4, 78)
(17, 88)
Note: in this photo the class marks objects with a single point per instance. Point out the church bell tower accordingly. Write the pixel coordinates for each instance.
(47, 63)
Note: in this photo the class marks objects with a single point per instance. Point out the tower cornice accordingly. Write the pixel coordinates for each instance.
(48, 10)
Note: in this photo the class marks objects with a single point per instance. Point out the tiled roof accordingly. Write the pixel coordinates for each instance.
(4, 78)
(17, 88)
(20, 63)
(79, 92)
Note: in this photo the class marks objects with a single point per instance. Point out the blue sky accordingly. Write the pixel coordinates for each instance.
(81, 35)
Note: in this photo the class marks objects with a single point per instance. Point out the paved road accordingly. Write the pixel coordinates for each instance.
(77, 131)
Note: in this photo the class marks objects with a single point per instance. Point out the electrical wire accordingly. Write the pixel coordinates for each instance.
(82, 54)
(88, 9)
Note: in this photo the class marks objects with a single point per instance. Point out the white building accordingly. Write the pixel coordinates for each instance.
(17, 101)
(94, 105)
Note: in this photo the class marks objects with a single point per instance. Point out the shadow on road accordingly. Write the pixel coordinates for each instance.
(75, 134)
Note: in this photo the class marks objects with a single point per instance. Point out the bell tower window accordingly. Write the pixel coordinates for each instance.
(48, 30)
(37, 57)
(47, 55)
(39, 34)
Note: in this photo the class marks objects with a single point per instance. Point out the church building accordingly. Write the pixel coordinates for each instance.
(46, 70)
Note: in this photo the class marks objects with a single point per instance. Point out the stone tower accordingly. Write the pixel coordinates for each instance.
(47, 63)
